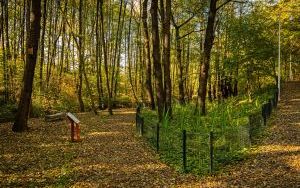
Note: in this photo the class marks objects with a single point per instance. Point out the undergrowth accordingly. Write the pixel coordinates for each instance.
(228, 120)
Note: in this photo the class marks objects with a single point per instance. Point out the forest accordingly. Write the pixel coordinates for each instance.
(189, 67)
(107, 54)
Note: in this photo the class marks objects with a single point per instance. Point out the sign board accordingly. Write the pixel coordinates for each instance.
(72, 117)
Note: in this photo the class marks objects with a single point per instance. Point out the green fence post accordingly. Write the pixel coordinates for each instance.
(211, 151)
(157, 137)
(184, 149)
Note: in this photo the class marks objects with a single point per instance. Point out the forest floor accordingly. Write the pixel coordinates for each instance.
(111, 155)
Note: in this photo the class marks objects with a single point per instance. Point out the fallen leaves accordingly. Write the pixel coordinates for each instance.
(111, 155)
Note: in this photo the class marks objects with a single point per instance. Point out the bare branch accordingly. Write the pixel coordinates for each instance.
(194, 31)
(187, 21)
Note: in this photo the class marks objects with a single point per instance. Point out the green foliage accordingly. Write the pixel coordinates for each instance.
(228, 120)
(7, 112)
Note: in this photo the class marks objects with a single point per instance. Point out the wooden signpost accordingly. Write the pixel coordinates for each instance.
(75, 129)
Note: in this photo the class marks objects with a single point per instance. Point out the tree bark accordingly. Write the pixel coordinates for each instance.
(20, 123)
(208, 44)
(104, 48)
(156, 59)
(98, 59)
(42, 53)
(81, 59)
(166, 19)
(148, 54)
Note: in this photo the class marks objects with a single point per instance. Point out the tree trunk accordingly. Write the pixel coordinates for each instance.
(42, 53)
(208, 44)
(81, 59)
(166, 19)
(129, 56)
(7, 44)
(98, 59)
(156, 59)
(179, 61)
(4, 59)
(148, 58)
(105, 59)
(31, 57)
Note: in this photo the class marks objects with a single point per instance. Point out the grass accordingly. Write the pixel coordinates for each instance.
(228, 120)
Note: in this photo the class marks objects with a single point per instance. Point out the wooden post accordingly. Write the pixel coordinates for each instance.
(184, 149)
(75, 131)
(72, 131)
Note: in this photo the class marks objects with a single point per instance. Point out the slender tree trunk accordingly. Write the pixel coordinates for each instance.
(62, 54)
(166, 22)
(98, 59)
(208, 44)
(49, 47)
(4, 59)
(156, 59)
(81, 58)
(42, 53)
(31, 57)
(22, 32)
(130, 57)
(148, 58)
(179, 61)
(7, 44)
(116, 47)
(104, 48)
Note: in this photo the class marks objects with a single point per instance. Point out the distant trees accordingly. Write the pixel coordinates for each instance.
(101, 54)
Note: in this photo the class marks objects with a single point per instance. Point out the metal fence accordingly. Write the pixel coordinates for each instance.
(204, 152)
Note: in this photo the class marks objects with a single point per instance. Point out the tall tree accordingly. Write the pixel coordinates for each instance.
(104, 48)
(178, 38)
(208, 44)
(81, 58)
(148, 54)
(156, 59)
(166, 34)
(20, 123)
(98, 58)
(42, 53)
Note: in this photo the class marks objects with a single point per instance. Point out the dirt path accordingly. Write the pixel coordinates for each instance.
(276, 160)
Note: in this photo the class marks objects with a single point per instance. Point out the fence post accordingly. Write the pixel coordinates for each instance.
(211, 151)
(137, 119)
(141, 126)
(184, 149)
(157, 137)
(264, 113)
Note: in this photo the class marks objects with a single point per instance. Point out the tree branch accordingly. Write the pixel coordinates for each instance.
(226, 2)
(194, 31)
(187, 21)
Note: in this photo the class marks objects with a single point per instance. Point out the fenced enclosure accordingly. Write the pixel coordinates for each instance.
(206, 151)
